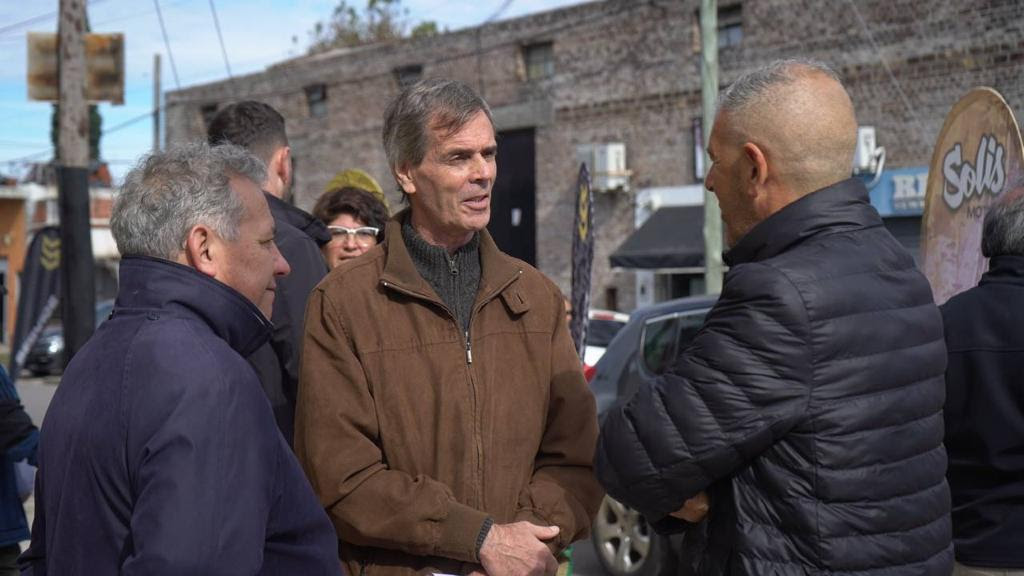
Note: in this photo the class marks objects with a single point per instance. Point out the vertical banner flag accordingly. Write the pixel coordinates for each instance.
(976, 157)
(582, 257)
(38, 296)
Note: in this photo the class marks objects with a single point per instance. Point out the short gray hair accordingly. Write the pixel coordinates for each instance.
(753, 86)
(446, 104)
(167, 193)
(1003, 230)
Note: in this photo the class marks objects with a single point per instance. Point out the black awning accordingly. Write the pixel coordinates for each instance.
(673, 237)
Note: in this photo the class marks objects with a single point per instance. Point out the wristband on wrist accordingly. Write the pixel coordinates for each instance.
(485, 529)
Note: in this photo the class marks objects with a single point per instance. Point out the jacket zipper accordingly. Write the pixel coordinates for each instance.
(485, 300)
(478, 433)
(477, 424)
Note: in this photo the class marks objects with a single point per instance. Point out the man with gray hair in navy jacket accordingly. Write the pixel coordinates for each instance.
(159, 454)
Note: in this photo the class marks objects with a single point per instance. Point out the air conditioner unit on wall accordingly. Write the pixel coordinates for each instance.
(866, 155)
(607, 165)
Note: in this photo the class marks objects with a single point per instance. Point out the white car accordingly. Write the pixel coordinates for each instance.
(604, 325)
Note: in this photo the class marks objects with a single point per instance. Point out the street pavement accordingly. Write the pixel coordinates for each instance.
(584, 560)
(36, 394)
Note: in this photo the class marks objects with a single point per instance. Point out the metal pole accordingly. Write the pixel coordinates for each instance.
(78, 293)
(709, 95)
(156, 102)
(72, 143)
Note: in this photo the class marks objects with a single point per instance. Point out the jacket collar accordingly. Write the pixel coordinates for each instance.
(497, 269)
(300, 219)
(1004, 269)
(841, 206)
(156, 284)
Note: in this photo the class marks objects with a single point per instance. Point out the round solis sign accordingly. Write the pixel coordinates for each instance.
(978, 154)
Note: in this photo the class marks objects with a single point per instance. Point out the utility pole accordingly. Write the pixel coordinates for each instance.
(156, 102)
(78, 292)
(709, 96)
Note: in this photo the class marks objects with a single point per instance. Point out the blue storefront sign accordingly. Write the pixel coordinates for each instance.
(900, 191)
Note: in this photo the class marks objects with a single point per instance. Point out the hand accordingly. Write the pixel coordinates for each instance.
(518, 549)
(694, 510)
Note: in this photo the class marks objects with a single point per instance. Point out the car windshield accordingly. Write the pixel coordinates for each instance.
(601, 332)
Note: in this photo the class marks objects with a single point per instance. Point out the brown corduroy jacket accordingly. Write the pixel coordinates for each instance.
(413, 434)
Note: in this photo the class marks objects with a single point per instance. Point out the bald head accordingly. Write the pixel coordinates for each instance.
(800, 115)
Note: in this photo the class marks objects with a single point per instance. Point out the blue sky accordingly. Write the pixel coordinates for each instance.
(256, 33)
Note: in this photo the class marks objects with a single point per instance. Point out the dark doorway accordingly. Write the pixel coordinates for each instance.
(513, 203)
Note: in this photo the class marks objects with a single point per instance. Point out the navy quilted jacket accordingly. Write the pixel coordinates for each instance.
(159, 455)
(809, 406)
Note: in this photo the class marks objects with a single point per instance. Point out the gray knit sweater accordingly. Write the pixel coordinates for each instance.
(455, 277)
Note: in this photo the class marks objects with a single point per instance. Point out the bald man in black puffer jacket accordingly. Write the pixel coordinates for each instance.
(808, 409)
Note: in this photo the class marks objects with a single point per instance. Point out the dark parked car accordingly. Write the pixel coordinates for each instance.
(643, 349)
(47, 355)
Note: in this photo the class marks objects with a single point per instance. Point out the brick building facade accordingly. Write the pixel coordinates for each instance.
(627, 71)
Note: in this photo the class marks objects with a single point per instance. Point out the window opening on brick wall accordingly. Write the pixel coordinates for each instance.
(408, 75)
(540, 60)
(208, 111)
(730, 26)
(316, 99)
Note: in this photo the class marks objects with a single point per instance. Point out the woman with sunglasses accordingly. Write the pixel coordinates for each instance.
(355, 218)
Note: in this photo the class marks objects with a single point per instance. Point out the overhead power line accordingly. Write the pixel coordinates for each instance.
(167, 44)
(613, 11)
(497, 13)
(22, 143)
(112, 129)
(36, 19)
(27, 22)
(129, 122)
(216, 24)
(892, 77)
(27, 157)
(133, 15)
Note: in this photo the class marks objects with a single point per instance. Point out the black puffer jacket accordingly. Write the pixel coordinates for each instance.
(809, 405)
(298, 236)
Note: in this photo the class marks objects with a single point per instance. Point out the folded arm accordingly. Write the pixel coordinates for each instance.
(741, 385)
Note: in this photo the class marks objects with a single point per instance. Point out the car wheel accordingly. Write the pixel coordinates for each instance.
(626, 545)
(39, 372)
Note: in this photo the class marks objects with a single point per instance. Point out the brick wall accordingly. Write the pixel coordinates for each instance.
(628, 71)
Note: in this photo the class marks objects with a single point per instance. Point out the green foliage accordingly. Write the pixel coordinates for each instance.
(378, 21)
(95, 130)
(424, 29)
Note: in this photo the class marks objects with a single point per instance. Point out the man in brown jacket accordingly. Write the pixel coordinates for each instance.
(443, 418)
